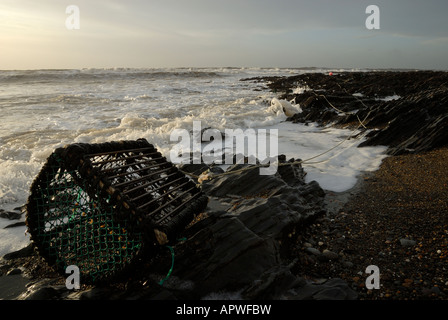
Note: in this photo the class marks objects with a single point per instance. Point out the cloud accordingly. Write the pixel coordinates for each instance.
(239, 32)
(438, 41)
(414, 17)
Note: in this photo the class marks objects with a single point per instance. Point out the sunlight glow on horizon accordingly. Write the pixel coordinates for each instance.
(161, 34)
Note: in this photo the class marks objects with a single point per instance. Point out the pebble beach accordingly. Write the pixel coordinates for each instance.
(396, 220)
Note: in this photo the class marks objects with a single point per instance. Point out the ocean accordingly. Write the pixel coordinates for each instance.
(42, 110)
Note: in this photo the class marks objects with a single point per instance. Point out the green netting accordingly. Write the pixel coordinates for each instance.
(100, 206)
(76, 229)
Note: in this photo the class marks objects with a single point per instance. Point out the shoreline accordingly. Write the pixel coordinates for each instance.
(335, 201)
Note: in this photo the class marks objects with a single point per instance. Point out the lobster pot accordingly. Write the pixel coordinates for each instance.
(100, 206)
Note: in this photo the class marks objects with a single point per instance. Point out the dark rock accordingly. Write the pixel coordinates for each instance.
(24, 252)
(11, 215)
(12, 286)
(435, 290)
(21, 209)
(14, 271)
(96, 293)
(273, 284)
(244, 238)
(333, 289)
(415, 122)
(313, 251)
(4, 268)
(196, 169)
(407, 242)
(227, 256)
(43, 289)
(44, 293)
(14, 225)
(334, 293)
(330, 254)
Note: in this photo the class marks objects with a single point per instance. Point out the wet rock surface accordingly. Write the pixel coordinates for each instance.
(406, 111)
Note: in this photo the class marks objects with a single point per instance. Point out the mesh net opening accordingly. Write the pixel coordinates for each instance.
(100, 206)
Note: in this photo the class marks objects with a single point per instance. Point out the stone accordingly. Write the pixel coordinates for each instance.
(43, 289)
(330, 294)
(333, 289)
(24, 252)
(44, 293)
(12, 286)
(10, 215)
(272, 284)
(407, 242)
(313, 251)
(15, 225)
(14, 271)
(330, 254)
(228, 256)
(96, 293)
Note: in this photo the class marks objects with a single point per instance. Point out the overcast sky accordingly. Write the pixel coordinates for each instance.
(210, 33)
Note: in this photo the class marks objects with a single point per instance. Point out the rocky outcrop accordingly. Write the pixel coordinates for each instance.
(416, 123)
(249, 221)
(406, 111)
